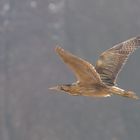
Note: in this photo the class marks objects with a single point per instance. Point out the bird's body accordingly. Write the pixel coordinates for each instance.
(98, 81)
(85, 90)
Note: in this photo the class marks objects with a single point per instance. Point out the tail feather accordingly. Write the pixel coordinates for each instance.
(130, 94)
(121, 92)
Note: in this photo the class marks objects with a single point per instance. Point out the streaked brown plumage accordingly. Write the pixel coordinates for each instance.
(99, 81)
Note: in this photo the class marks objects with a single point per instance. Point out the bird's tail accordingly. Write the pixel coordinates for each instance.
(121, 92)
(130, 94)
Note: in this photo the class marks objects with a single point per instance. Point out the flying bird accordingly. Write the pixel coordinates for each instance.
(98, 81)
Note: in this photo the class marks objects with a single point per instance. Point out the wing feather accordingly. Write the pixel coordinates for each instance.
(111, 61)
(84, 71)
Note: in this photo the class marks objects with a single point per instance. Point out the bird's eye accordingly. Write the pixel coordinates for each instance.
(61, 88)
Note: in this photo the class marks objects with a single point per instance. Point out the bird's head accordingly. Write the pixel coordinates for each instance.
(65, 88)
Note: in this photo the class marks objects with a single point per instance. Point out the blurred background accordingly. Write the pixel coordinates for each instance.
(29, 31)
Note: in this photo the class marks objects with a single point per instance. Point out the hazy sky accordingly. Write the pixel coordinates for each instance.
(29, 31)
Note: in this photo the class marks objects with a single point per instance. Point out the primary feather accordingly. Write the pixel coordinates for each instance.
(111, 61)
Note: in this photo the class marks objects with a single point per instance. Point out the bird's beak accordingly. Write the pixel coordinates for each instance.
(55, 88)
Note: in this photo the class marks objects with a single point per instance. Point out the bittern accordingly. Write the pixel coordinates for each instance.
(98, 81)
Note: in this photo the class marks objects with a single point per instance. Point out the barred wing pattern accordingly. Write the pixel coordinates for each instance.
(111, 61)
(84, 71)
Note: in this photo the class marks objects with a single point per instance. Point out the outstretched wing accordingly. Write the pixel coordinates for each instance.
(110, 62)
(84, 71)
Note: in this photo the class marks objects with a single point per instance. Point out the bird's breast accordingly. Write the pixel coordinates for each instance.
(95, 92)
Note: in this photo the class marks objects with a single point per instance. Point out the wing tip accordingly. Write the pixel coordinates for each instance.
(58, 48)
(135, 41)
(138, 37)
(138, 40)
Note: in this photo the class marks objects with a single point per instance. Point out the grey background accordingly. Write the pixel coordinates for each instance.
(29, 31)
